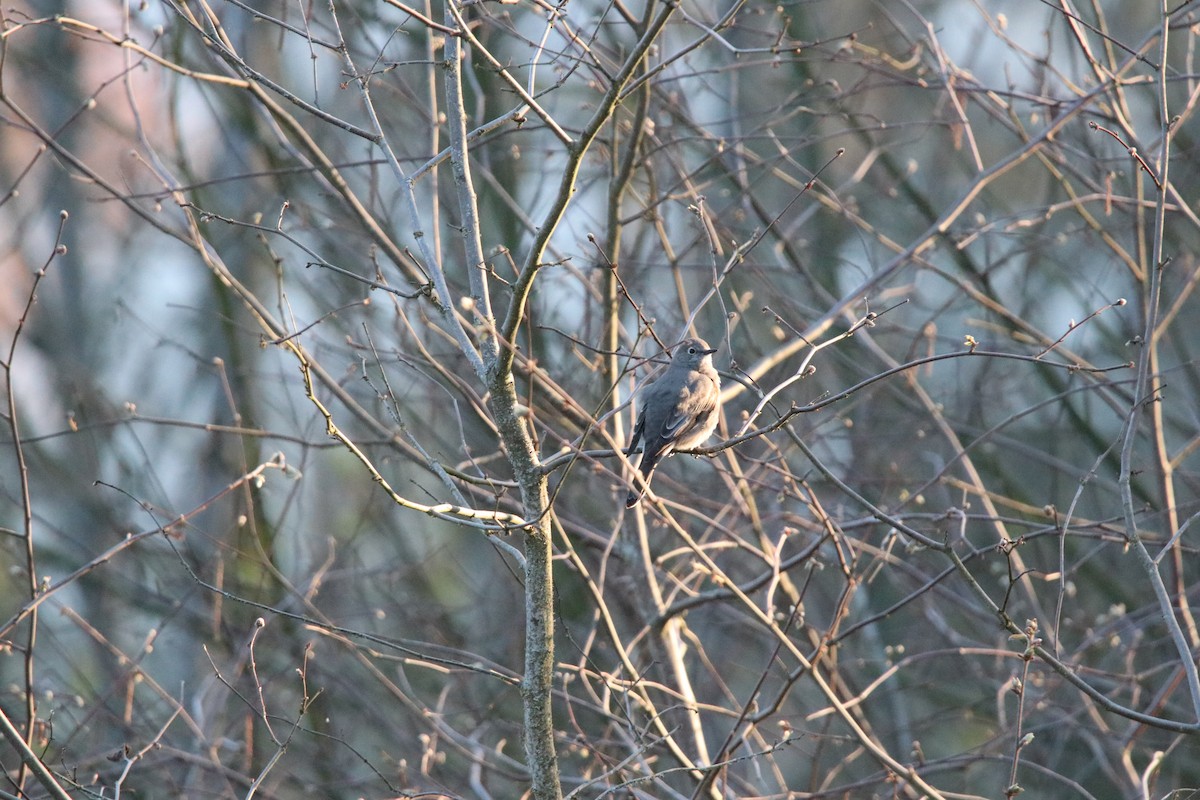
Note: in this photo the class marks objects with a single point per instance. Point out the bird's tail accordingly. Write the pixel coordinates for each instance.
(634, 497)
(639, 487)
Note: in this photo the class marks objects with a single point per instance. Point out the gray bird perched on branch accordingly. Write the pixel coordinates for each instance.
(679, 410)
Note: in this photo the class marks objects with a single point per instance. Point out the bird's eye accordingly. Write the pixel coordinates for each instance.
(692, 350)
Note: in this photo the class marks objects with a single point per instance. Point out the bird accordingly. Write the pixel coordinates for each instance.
(679, 410)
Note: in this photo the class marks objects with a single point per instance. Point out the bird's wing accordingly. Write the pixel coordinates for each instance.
(676, 424)
(690, 407)
(638, 429)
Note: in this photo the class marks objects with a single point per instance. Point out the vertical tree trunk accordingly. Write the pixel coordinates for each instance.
(537, 683)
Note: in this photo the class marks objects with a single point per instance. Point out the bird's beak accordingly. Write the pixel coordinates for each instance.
(709, 352)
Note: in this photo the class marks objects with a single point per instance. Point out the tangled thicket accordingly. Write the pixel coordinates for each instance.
(318, 388)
